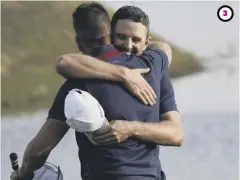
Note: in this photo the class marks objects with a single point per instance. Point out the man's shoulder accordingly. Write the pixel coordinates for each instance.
(163, 47)
(154, 53)
(57, 109)
(157, 57)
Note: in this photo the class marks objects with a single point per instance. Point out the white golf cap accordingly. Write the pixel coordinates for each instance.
(83, 112)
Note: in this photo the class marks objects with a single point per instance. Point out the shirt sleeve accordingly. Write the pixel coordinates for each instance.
(57, 109)
(157, 59)
(167, 97)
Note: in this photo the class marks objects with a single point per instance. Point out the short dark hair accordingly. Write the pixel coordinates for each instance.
(130, 12)
(89, 17)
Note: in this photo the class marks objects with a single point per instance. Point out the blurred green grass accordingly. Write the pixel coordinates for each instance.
(33, 35)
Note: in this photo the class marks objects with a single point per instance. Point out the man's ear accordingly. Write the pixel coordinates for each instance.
(148, 40)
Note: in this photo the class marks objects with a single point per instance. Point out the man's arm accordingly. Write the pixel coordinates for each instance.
(50, 134)
(41, 146)
(168, 131)
(82, 66)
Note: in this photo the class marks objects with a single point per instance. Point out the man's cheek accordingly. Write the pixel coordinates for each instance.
(141, 49)
(117, 42)
(138, 50)
(144, 47)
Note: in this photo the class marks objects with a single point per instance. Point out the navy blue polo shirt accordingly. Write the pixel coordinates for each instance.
(133, 157)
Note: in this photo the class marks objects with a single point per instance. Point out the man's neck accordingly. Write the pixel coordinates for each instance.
(99, 50)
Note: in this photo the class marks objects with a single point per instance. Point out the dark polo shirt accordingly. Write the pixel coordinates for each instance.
(133, 158)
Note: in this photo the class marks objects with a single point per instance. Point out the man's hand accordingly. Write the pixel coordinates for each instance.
(117, 132)
(20, 175)
(39, 148)
(136, 84)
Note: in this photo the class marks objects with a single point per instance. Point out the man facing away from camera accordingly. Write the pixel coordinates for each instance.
(128, 149)
(130, 26)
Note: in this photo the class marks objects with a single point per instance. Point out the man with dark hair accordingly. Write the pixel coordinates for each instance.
(98, 21)
(118, 24)
(130, 33)
(128, 148)
(131, 13)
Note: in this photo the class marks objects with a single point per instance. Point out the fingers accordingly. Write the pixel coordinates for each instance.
(13, 176)
(143, 71)
(148, 98)
(146, 94)
(150, 94)
(150, 90)
(102, 137)
(145, 91)
(140, 87)
(102, 131)
(17, 175)
(108, 141)
(142, 97)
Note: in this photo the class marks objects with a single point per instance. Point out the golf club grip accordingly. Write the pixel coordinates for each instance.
(14, 161)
